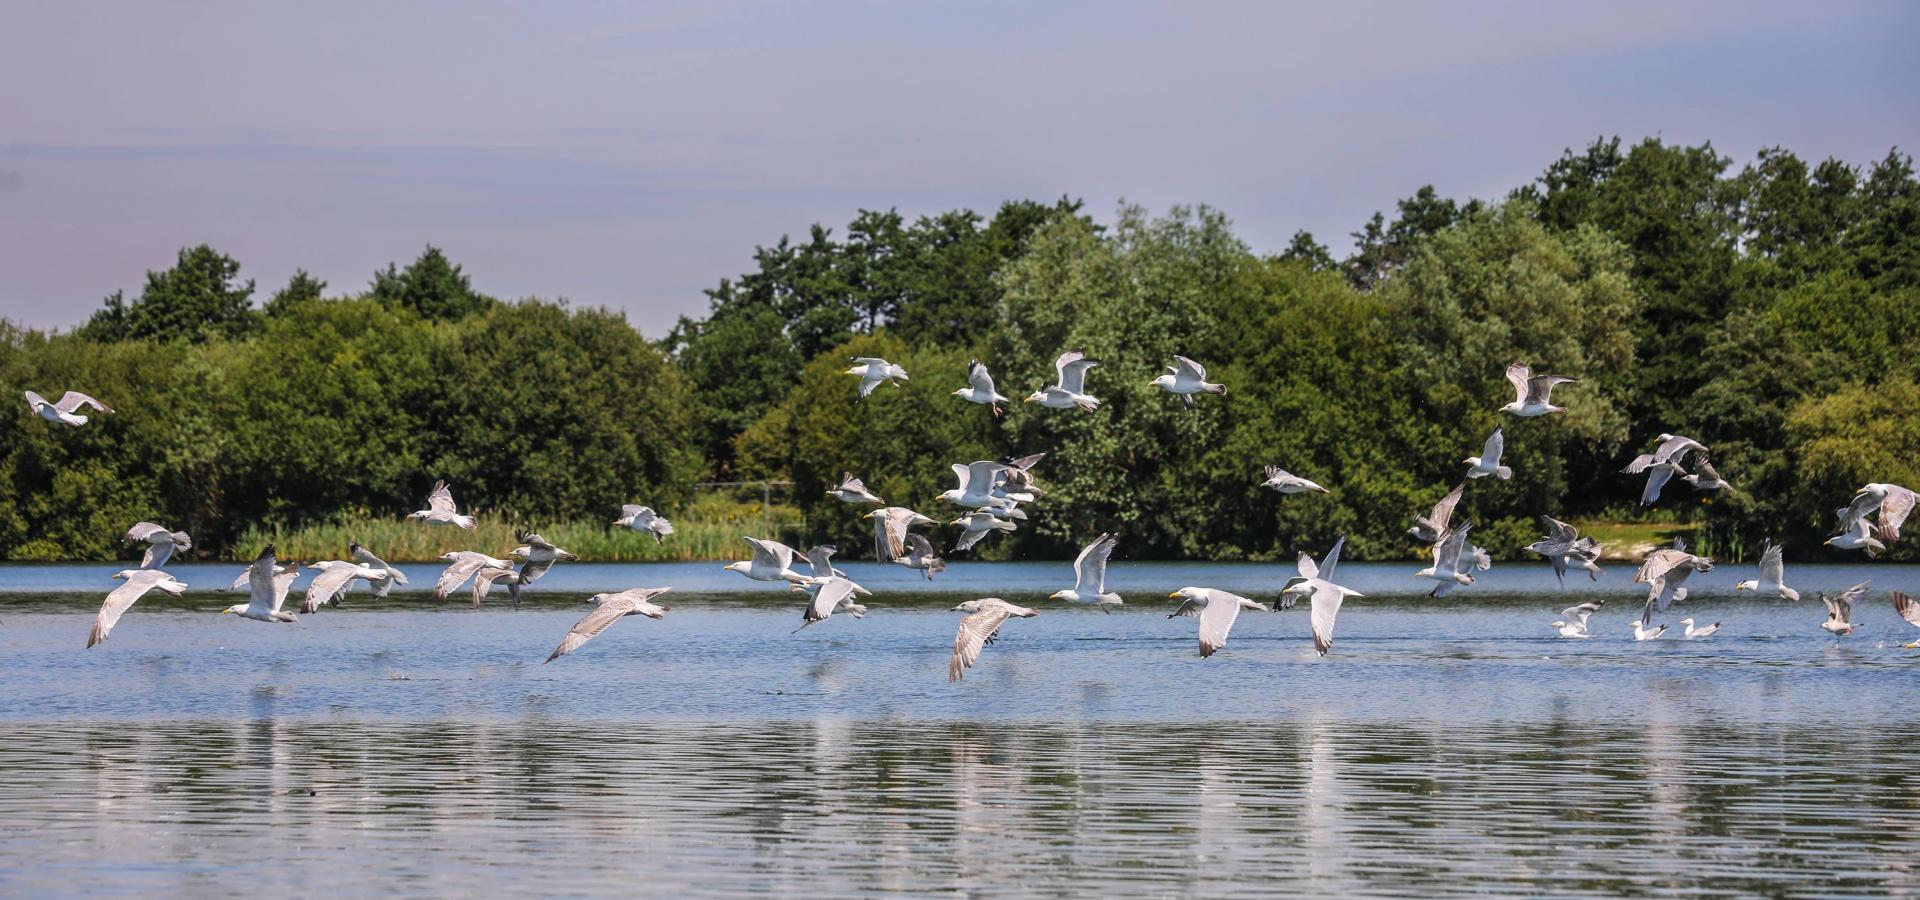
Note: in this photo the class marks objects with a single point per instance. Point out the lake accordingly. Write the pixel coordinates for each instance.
(1445, 747)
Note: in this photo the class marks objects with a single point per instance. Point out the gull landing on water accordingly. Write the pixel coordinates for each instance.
(1069, 389)
(1693, 634)
(1090, 576)
(1573, 619)
(1488, 462)
(62, 411)
(978, 629)
(979, 387)
(874, 370)
(1533, 393)
(440, 509)
(612, 608)
(1840, 609)
(1450, 562)
(1216, 610)
(1563, 546)
(1187, 378)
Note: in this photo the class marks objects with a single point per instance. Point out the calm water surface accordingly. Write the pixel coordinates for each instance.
(1444, 748)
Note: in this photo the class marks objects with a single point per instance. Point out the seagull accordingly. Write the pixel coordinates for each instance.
(1664, 571)
(1642, 633)
(245, 580)
(977, 524)
(160, 542)
(1907, 609)
(1323, 596)
(63, 411)
(1449, 562)
(976, 485)
(268, 590)
(1705, 477)
(462, 565)
(979, 387)
(873, 370)
(1069, 390)
(1286, 483)
(1216, 609)
(830, 594)
(392, 576)
(536, 556)
(645, 521)
(1488, 462)
(1857, 536)
(440, 509)
(852, 490)
(820, 562)
(1533, 393)
(1840, 608)
(920, 556)
(1892, 501)
(485, 577)
(1693, 634)
(1563, 545)
(1090, 576)
(1657, 476)
(978, 629)
(772, 561)
(1018, 477)
(890, 531)
(333, 582)
(1573, 619)
(1664, 463)
(1428, 529)
(1772, 579)
(612, 607)
(1187, 378)
(138, 583)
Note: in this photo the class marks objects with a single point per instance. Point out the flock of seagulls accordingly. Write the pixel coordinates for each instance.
(991, 495)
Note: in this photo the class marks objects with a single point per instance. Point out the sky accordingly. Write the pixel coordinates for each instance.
(629, 155)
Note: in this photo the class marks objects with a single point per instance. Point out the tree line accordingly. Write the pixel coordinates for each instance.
(1771, 311)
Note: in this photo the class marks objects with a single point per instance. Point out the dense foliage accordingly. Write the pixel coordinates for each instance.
(1771, 311)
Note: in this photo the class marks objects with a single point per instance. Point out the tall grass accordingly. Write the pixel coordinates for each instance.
(708, 529)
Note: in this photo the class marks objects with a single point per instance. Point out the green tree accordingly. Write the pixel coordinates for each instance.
(432, 287)
(301, 288)
(199, 298)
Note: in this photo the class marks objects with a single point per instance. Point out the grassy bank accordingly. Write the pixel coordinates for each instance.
(710, 528)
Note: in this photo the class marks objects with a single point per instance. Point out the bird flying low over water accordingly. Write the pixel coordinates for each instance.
(1893, 503)
(462, 565)
(1488, 462)
(267, 591)
(978, 629)
(1187, 378)
(1216, 610)
(1533, 393)
(62, 410)
(1694, 634)
(612, 608)
(645, 521)
(1664, 571)
(120, 599)
(890, 531)
(1573, 619)
(979, 388)
(853, 490)
(160, 542)
(873, 370)
(1563, 546)
(978, 524)
(1705, 477)
(1069, 389)
(335, 578)
(440, 509)
(1450, 562)
(1840, 608)
(1427, 529)
(1662, 464)
(1323, 595)
(1090, 576)
(920, 556)
(536, 555)
(772, 561)
(1773, 576)
(1857, 536)
(1905, 607)
(366, 558)
(830, 594)
(1288, 483)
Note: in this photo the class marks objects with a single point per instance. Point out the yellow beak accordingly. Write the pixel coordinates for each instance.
(1026, 399)
(1174, 596)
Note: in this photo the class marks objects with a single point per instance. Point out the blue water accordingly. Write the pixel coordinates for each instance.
(1445, 747)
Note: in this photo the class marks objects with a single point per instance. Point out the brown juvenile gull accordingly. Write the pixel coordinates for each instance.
(1429, 528)
(335, 578)
(920, 556)
(1664, 571)
(138, 583)
(1705, 477)
(612, 608)
(890, 531)
(978, 629)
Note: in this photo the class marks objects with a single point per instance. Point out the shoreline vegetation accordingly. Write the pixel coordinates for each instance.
(1770, 309)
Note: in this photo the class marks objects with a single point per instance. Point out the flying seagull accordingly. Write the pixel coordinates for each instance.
(890, 531)
(1069, 389)
(611, 608)
(1532, 393)
(138, 583)
(1662, 464)
(1840, 608)
(1693, 634)
(853, 490)
(462, 565)
(1187, 378)
(978, 629)
(1216, 610)
(1773, 576)
(1018, 477)
(1857, 536)
(63, 411)
(1904, 606)
(485, 577)
(831, 593)
(873, 370)
(267, 591)
(1705, 477)
(920, 556)
(772, 561)
(1573, 619)
(1563, 546)
(979, 387)
(1428, 529)
(1664, 571)
(645, 521)
(440, 509)
(976, 485)
(1287, 483)
(160, 542)
(1450, 562)
(366, 558)
(978, 524)
(1488, 462)
(335, 578)
(1323, 595)
(536, 555)
(1893, 502)
(1090, 576)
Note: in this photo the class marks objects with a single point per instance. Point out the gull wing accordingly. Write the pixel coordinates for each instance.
(1673, 447)
(1906, 608)
(979, 378)
(326, 586)
(35, 400)
(1061, 363)
(1560, 531)
(820, 559)
(1188, 369)
(1540, 387)
(1446, 553)
(1517, 375)
(1443, 511)
(826, 598)
(1072, 368)
(1026, 462)
(610, 610)
(981, 474)
(534, 540)
(1332, 560)
(1216, 620)
(1326, 606)
(764, 553)
(121, 598)
(1582, 612)
(890, 532)
(1894, 509)
(919, 548)
(73, 400)
(440, 499)
(1773, 565)
(1306, 567)
(1090, 567)
(1656, 479)
(975, 631)
(1496, 445)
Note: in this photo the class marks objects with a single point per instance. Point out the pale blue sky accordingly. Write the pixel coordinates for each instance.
(629, 155)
